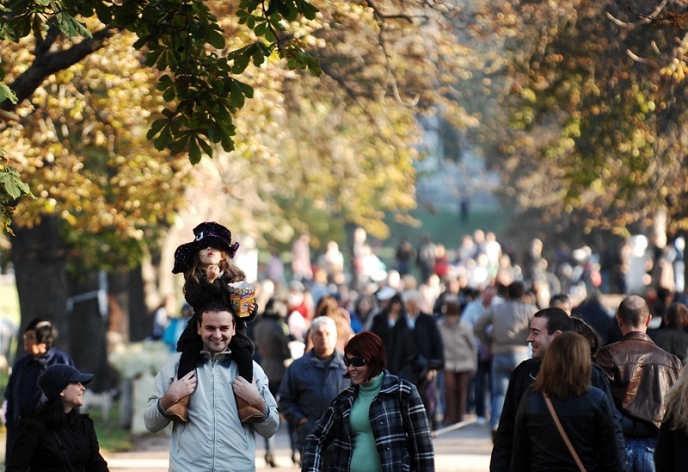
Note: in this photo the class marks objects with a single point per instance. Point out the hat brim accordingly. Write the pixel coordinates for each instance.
(82, 378)
(183, 255)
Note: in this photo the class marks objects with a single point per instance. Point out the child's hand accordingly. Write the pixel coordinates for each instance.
(212, 272)
(252, 308)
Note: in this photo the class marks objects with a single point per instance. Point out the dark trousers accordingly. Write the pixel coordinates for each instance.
(455, 394)
(481, 383)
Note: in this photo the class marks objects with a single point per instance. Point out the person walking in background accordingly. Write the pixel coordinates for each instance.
(329, 306)
(364, 307)
(271, 336)
(377, 424)
(413, 345)
(640, 374)
(22, 393)
(425, 258)
(214, 438)
(460, 360)
(301, 259)
(176, 326)
(562, 393)
(161, 317)
(58, 437)
(505, 329)
(404, 255)
(672, 442)
(673, 337)
(482, 378)
(312, 381)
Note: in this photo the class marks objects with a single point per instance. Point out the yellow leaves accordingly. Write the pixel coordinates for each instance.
(528, 94)
(675, 71)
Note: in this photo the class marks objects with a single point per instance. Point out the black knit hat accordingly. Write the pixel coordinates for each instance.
(56, 378)
(207, 234)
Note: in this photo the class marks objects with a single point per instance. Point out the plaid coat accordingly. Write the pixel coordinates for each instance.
(400, 427)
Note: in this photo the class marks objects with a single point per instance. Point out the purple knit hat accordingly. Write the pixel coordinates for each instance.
(207, 234)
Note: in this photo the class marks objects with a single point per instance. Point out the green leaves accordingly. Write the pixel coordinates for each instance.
(12, 188)
(11, 183)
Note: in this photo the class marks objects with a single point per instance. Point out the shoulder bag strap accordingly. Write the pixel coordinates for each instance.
(563, 433)
(64, 450)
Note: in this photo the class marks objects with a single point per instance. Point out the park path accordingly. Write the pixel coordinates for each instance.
(464, 450)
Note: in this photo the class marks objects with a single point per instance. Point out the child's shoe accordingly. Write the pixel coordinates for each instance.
(179, 412)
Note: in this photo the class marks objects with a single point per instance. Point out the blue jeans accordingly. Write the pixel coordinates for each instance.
(482, 382)
(640, 452)
(502, 367)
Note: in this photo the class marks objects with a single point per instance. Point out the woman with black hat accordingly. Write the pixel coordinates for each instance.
(58, 438)
(207, 274)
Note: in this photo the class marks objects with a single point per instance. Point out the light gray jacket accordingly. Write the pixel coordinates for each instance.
(510, 323)
(214, 440)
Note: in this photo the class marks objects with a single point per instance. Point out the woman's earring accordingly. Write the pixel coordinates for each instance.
(62, 393)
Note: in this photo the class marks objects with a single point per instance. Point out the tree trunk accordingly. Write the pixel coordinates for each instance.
(88, 326)
(38, 256)
(118, 298)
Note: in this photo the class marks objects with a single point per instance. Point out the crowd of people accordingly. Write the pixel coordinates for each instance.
(364, 364)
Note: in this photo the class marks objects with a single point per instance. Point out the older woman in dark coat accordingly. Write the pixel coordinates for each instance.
(58, 438)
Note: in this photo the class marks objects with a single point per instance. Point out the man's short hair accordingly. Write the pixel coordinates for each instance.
(633, 311)
(320, 320)
(677, 314)
(215, 306)
(516, 290)
(559, 300)
(557, 319)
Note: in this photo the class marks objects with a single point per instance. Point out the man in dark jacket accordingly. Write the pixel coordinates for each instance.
(640, 374)
(413, 345)
(673, 337)
(23, 396)
(545, 325)
(312, 381)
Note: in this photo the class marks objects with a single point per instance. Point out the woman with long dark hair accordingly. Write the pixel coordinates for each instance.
(58, 438)
(585, 413)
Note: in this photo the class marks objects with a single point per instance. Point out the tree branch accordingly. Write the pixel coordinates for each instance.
(46, 63)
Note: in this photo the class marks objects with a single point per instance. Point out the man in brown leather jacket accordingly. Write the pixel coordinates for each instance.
(640, 374)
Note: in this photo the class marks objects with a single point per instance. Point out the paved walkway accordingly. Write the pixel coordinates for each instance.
(464, 450)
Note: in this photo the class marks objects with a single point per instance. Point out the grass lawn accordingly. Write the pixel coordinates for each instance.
(443, 227)
(111, 437)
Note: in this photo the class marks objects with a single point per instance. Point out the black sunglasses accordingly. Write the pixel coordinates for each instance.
(354, 361)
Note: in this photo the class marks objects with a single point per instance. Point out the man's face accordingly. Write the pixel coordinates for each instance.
(538, 337)
(33, 347)
(324, 340)
(412, 306)
(216, 329)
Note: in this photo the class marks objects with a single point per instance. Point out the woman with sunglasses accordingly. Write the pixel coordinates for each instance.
(377, 424)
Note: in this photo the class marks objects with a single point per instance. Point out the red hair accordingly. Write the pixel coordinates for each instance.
(370, 347)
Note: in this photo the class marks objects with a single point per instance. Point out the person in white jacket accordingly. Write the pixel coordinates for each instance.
(214, 439)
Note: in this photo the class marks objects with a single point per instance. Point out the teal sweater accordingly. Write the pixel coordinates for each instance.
(365, 457)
